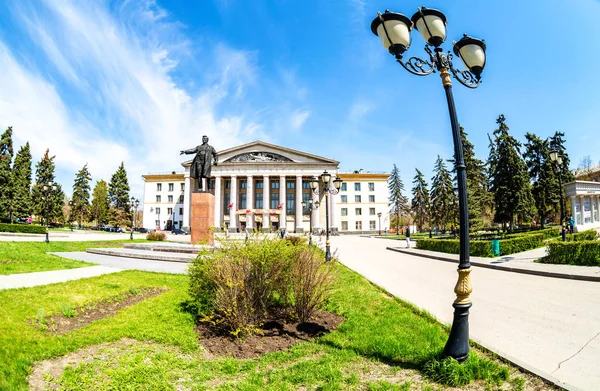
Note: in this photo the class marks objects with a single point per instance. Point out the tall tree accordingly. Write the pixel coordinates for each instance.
(510, 178)
(21, 184)
(52, 205)
(398, 202)
(80, 209)
(420, 199)
(100, 203)
(557, 142)
(586, 164)
(541, 172)
(6, 154)
(118, 194)
(443, 197)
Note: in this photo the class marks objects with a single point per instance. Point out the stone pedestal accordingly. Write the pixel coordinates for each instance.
(202, 218)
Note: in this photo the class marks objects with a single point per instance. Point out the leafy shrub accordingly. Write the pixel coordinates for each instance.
(158, 236)
(583, 253)
(482, 248)
(296, 240)
(23, 228)
(68, 310)
(450, 372)
(590, 234)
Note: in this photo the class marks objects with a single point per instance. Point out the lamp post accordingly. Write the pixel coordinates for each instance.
(71, 204)
(47, 190)
(394, 31)
(557, 159)
(134, 205)
(327, 189)
(310, 206)
(379, 215)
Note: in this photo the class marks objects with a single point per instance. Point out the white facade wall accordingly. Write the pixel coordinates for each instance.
(347, 211)
(166, 213)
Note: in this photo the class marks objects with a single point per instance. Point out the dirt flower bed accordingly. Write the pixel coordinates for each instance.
(72, 318)
(278, 333)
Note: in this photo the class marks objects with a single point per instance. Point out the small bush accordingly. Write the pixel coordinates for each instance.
(590, 234)
(158, 236)
(483, 248)
(68, 310)
(582, 253)
(296, 240)
(23, 228)
(450, 372)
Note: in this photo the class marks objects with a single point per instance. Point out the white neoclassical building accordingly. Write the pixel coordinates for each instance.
(262, 186)
(585, 201)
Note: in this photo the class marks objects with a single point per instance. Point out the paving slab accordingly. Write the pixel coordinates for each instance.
(27, 280)
(126, 263)
(143, 254)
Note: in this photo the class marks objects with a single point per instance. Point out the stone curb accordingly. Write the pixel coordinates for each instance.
(502, 268)
(155, 256)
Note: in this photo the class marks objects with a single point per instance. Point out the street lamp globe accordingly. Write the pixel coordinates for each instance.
(393, 30)
(303, 204)
(314, 183)
(431, 24)
(325, 177)
(54, 187)
(337, 183)
(379, 214)
(45, 187)
(472, 53)
(554, 155)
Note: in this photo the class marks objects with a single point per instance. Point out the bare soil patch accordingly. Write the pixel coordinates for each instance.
(279, 333)
(88, 313)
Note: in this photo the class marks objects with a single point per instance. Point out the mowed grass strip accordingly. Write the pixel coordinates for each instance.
(27, 257)
(383, 341)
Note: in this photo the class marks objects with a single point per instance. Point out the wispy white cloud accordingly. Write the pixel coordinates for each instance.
(358, 110)
(298, 118)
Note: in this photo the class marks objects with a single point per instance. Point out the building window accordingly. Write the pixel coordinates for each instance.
(290, 184)
(211, 185)
(357, 186)
(243, 184)
(171, 186)
(344, 226)
(170, 198)
(359, 225)
(180, 211)
(259, 201)
(344, 211)
(260, 185)
(243, 201)
(371, 198)
(372, 211)
(305, 198)
(344, 198)
(275, 185)
(306, 184)
(182, 186)
(372, 224)
(356, 198)
(227, 201)
(290, 204)
(227, 184)
(169, 211)
(358, 211)
(181, 199)
(157, 211)
(371, 187)
(275, 200)
(344, 186)
(157, 223)
(159, 187)
(158, 198)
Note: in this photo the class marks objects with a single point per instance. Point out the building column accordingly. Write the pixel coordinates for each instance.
(187, 200)
(581, 210)
(233, 199)
(250, 202)
(266, 203)
(573, 210)
(316, 223)
(282, 200)
(218, 202)
(299, 226)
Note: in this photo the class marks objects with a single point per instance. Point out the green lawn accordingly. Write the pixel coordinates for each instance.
(26, 257)
(384, 344)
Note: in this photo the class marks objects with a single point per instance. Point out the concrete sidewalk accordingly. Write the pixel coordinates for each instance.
(28, 280)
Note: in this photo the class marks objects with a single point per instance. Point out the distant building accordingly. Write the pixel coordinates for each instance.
(261, 186)
(584, 195)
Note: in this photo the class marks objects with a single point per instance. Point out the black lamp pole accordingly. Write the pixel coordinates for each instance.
(134, 206)
(557, 159)
(327, 189)
(379, 215)
(47, 190)
(394, 30)
(310, 206)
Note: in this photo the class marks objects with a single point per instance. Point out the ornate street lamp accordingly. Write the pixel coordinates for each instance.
(71, 204)
(394, 31)
(557, 159)
(134, 205)
(379, 215)
(47, 190)
(310, 206)
(326, 188)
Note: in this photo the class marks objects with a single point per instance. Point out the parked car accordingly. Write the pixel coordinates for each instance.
(178, 231)
(140, 230)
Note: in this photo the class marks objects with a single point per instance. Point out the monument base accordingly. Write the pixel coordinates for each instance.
(202, 218)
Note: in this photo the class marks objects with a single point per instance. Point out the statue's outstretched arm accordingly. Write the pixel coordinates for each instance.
(189, 151)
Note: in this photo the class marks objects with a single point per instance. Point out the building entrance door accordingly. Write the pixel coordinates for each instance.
(258, 226)
(274, 226)
(169, 226)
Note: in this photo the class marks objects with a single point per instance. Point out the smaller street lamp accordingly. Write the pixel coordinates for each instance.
(379, 215)
(557, 159)
(71, 204)
(134, 205)
(310, 206)
(326, 189)
(47, 190)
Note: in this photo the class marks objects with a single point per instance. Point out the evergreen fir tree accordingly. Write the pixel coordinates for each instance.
(443, 197)
(398, 202)
(6, 155)
(21, 184)
(510, 179)
(100, 203)
(44, 174)
(541, 172)
(80, 209)
(118, 194)
(420, 200)
(557, 142)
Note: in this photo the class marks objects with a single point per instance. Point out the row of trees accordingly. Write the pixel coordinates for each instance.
(517, 183)
(20, 198)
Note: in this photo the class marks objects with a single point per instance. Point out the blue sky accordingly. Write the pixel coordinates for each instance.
(103, 82)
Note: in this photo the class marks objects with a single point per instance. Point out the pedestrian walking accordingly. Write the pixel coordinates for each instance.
(571, 224)
(407, 232)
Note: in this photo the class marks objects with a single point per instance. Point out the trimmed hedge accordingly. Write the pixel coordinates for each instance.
(590, 234)
(547, 232)
(582, 253)
(23, 228)
(484, 248)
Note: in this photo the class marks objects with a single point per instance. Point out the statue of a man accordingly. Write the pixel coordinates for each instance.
(202, 163)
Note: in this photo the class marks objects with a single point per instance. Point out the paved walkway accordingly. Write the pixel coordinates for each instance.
(125, 263)
(27, 280)
(548, 325)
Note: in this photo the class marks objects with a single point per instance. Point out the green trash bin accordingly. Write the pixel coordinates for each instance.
(496, 247)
